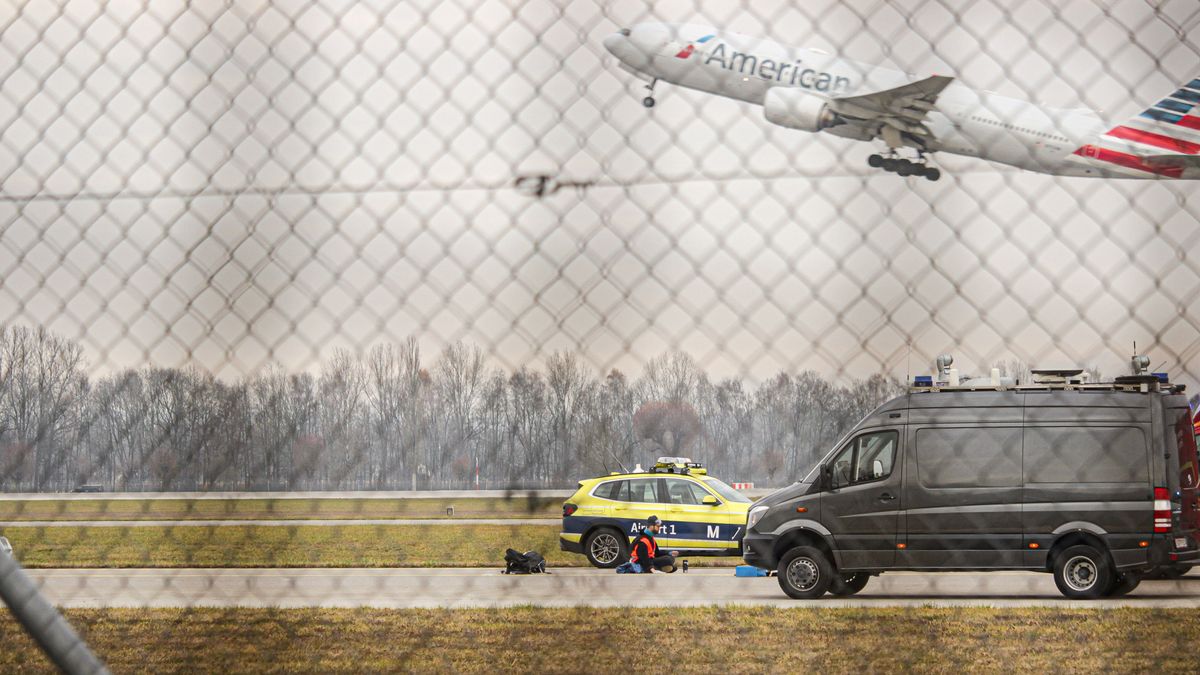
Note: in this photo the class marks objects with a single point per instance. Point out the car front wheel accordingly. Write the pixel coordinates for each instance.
(805, 573)
(606, 548)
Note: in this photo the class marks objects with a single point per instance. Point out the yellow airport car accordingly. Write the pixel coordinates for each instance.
(701, 516)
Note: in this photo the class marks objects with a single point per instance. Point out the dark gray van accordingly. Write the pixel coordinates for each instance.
(1095, 483)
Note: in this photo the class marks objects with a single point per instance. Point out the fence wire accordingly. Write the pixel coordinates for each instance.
(328, 246)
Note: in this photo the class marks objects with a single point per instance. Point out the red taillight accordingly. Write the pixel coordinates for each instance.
(1162, 510)
(570, 508)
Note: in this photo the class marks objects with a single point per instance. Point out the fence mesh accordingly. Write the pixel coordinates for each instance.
(297, 246)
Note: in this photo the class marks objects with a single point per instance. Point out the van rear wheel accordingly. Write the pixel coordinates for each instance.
(1124, 584)
(805, 573)
(848, 584)
(1175, 571)
(1082, 573)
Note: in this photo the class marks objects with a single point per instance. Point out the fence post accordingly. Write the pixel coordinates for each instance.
(43, 622)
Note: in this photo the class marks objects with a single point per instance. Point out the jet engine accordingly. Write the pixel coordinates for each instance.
(798, 109)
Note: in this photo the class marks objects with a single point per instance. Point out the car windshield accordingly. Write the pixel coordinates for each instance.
(727, 492)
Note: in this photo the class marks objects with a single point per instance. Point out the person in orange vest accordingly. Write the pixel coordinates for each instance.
(645, 550)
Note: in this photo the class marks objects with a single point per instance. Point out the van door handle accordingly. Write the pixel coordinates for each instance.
(886, 497)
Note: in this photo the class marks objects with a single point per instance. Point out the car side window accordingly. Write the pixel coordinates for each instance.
(621, 493)
(610, 490)
(867, 458)
(685, 492)
(642, 490)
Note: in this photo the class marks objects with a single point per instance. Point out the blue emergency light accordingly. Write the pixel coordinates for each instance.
(923, 381)
(1162, 377)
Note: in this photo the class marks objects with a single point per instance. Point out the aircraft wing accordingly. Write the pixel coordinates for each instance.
(902, 108)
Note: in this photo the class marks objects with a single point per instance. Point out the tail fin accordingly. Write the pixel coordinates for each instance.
(1172, 124)
(1160, 139)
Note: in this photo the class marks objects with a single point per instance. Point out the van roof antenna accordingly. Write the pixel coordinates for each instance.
(908, 364)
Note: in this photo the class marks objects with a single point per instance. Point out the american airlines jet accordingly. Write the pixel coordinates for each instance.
(816, 92)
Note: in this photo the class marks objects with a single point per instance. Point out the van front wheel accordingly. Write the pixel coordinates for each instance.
(1082, 573)
(805, 573)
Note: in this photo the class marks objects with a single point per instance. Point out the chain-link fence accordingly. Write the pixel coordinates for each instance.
(353, 246)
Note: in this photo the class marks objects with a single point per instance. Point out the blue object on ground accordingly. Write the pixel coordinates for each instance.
(629, 567)
(749, 571)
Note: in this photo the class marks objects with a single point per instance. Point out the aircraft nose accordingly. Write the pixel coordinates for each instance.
(614, 42)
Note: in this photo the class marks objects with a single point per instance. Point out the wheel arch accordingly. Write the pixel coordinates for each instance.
(603, 525)
(1075, 534)
(803, 536)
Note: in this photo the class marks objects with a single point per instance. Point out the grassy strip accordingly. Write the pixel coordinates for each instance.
(278, 509)
(291, 546)
(283, 546)
(745, 640)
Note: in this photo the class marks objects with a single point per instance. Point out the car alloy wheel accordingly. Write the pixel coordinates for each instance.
(605, 548)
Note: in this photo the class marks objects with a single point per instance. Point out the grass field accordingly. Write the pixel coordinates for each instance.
(282, 546)
(290, 546)
(744, 640)
(520, 506)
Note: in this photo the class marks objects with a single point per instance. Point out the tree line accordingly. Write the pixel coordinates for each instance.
(391, 419)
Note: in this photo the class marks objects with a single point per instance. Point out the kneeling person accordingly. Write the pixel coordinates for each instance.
(645, 549)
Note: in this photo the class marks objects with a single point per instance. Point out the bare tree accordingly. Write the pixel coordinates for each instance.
(41, 382)
(341, 390)
(372, 424)
(671, 377)
(670, 428)
(570, 394)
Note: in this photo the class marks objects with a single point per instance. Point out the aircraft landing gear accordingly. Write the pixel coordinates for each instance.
(905, 167)
(649, 100)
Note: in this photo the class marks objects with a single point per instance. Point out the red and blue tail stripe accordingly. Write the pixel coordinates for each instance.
(1153, 141)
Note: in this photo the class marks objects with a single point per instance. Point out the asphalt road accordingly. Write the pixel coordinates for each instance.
(402, 588)
(297, 522)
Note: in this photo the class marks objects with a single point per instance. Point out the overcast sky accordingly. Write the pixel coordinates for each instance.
(230, 184)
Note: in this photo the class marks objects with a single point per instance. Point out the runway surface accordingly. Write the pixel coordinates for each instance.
(297, 522)
(457, 588)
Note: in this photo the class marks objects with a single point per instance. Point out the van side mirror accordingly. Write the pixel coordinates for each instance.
(710, 500)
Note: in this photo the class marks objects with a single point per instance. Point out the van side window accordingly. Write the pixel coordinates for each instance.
(1085, 455)
(867, 458)
(969, 458)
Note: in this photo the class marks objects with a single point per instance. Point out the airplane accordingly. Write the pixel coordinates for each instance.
(812, 91)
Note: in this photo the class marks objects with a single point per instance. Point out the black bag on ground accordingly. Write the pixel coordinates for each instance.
(529, 562)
